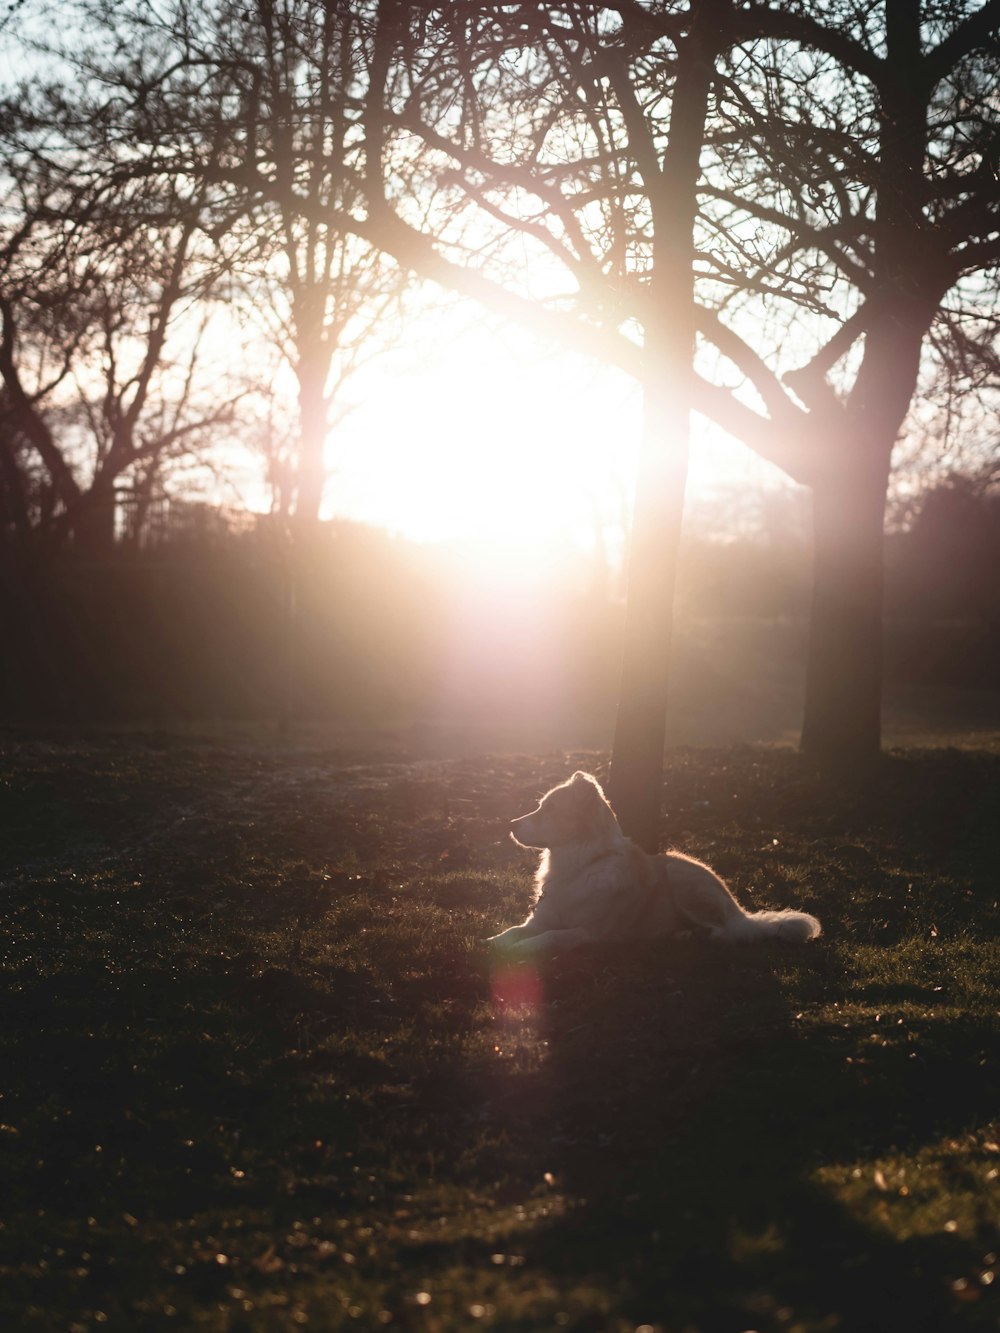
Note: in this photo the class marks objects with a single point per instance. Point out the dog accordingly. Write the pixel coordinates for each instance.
(594, 885)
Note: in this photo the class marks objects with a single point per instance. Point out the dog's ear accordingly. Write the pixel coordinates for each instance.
(585, 783)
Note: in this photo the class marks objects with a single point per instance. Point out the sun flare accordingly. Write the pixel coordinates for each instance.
(524, 460)
(518, 459)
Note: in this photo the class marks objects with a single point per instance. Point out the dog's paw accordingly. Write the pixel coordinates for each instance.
(506, 946)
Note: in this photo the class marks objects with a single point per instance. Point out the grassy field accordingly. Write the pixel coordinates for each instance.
(257, 1073)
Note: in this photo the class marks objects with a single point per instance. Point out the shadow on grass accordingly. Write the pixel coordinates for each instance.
(685, 1113)
(203, 1070)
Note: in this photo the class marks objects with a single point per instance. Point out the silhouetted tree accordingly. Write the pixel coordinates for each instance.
(866, 145)
(777, 217)
(847, 212)
(533, 121)
(105, 288)
(326, 299)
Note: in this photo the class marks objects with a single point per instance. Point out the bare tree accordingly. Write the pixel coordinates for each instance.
(774, 217)
(854, 198)
(848, 212)
(325, 298)
(105, 282)
(535, 126)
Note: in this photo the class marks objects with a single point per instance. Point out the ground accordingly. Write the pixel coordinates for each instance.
(258, 1072)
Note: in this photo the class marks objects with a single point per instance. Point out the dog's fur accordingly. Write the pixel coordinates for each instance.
(594, 884)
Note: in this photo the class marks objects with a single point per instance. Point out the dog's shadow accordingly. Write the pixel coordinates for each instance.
(686, 1106)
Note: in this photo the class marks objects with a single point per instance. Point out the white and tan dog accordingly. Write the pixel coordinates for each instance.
(595, 885)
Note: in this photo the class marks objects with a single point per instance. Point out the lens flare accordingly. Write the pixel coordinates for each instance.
(517, 990)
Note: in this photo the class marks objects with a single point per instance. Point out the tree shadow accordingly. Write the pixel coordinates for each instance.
(687, 1112)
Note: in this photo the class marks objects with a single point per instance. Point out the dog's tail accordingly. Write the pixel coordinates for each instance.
(796, 927)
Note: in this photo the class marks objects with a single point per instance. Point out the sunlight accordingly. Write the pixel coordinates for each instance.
(525, 458)
(520, 457)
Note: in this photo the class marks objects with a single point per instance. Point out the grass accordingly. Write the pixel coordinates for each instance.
(257, 1073)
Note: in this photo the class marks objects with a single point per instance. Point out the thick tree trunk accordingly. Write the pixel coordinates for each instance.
(841, 728)
(636, 781)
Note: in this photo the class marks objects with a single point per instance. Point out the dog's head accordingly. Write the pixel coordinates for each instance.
(574, 812)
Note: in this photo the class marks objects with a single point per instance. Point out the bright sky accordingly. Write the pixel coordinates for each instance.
(472, 433)
(485, 437)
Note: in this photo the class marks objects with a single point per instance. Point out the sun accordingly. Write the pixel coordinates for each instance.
(490, 444)
(520, 454)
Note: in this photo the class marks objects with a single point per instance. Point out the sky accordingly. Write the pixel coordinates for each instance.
(472, 432)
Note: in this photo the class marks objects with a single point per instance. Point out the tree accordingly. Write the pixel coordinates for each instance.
(867, 148)
(848, 206)
(813, 197)
(105, 294)
(568, 159)
(326, 299)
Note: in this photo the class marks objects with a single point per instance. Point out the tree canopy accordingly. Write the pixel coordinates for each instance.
(783, 218)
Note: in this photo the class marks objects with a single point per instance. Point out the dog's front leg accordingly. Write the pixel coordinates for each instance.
(549, 942)
(511, 936)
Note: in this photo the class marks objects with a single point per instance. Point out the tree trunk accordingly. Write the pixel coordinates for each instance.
(636, 780)
(635, 785)
(841, 727)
